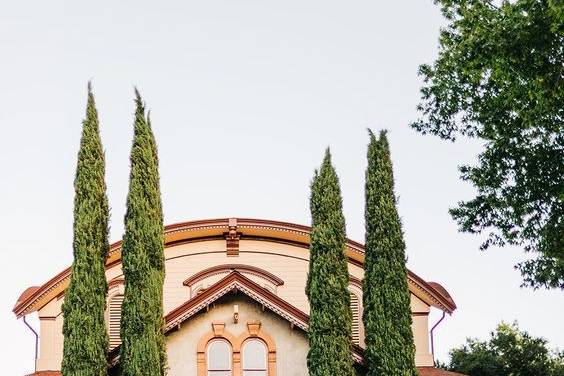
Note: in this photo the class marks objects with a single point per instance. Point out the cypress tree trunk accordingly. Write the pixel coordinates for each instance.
(387, 314)
(330, 338)
(84, 328)
(143, 351)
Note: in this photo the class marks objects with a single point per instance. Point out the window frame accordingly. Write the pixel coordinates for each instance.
(213, 341)
(265, 352)
(219, 332)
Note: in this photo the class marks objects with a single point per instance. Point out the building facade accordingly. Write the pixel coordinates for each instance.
(234, 301)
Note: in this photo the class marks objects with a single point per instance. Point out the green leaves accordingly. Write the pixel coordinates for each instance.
(84, 329)
(508, 352)
(499, 78)
(386, 297)
(143, 351)
(330, 338)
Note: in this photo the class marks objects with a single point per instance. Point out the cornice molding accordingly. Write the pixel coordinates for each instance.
(218, 269)
(212, 229)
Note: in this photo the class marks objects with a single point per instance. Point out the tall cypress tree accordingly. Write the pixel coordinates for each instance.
(84, 329)
(143, 351)
(330, 338)
(387, 315)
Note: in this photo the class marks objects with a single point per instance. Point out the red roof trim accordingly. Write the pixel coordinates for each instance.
(233, 281)
(230, 267)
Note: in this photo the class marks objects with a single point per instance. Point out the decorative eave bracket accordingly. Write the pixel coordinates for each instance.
(232, 238)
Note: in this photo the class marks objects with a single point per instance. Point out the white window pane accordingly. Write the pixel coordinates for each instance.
(219, 373)
(219, 357)
(254, 373)
(254, 356)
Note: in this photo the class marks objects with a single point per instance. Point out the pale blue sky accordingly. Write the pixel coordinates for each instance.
(245, 95)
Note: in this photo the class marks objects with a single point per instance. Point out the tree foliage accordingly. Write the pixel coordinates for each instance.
(499, 78)
(387, 313)
(330, 336)
(84, 329)
(143, 351)
(508, 352)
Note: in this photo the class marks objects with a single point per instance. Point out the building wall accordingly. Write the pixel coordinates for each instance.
(291, 344)
(51, 336)
(288, 262)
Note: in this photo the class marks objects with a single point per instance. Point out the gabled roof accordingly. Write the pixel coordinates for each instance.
(236, 282)
(255, 229)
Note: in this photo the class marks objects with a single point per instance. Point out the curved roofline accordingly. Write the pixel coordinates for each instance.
(250, 228)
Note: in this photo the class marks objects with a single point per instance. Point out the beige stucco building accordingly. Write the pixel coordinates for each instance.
(234, 301)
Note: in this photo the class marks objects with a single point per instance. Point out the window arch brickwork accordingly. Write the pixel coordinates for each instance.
(237, 343)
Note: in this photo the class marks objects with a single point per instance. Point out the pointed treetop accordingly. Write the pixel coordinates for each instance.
(372, 144)
(383, 135)
(326, 192)
(140, 106)
(137, 94)
(379, 149)
(326, 165)
(384, 138)
(90, 101)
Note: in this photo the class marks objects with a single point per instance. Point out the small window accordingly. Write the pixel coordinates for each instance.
(219, 358)
(355, 309)
(114, 320)
(254, 358)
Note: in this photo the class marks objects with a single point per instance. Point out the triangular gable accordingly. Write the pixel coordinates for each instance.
(236, 282)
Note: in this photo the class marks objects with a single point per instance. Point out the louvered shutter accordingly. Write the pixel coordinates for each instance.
(115, 318)
(355, 309)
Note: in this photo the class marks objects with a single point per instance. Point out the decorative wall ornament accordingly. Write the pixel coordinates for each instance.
(232, 238)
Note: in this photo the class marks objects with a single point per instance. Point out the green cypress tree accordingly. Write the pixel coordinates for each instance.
(143, 351)
(387, 314)
(84, 328)
(330, 338)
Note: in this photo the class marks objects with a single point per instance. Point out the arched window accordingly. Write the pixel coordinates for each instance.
(254, 358)
(114, 319)
(355, 309)
(219, 358)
